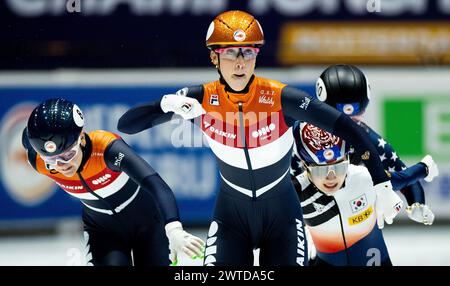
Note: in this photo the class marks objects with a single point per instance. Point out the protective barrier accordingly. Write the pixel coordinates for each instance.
(411, 109)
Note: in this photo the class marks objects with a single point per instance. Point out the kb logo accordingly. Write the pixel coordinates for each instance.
(73, 6)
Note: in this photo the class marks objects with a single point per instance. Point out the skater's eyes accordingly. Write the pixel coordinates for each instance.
(233, 53)
(322, 171)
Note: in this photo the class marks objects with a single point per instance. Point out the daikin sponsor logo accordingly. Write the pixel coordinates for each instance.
(300, 243)
(214, 130)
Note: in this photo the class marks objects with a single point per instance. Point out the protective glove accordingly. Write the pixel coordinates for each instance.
(387, 204)
(432, 168)
(180, 240)
(187, 107)
(420, 213)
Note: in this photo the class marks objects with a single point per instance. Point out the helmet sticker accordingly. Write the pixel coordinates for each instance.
(78, 117)
(369, 90)
(50, 146)
(348, 108)
(322, 146)
(328, 154)
(321, 91)
(239, 35)
(210, 31)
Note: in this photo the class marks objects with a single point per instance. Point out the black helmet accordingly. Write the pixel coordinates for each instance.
(54, 126)
(344, 87)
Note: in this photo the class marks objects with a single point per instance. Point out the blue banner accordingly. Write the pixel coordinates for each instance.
(176, 150)
(191, 172)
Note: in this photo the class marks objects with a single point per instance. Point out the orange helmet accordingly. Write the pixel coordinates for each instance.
(234, 28)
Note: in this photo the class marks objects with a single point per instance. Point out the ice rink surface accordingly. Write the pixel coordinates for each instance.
(407, 244)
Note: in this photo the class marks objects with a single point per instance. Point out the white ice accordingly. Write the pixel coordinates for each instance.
(408, 245)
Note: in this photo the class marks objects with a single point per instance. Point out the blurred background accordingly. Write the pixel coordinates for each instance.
(109, 55)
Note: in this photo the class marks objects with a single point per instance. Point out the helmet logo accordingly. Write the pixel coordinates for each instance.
(328, 154)
(348, 109)
(321, 91)
(210, 31)
(50, 146)
(78, 117)
(239, 35)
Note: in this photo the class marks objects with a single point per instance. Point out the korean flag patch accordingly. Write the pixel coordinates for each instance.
(358, 203)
